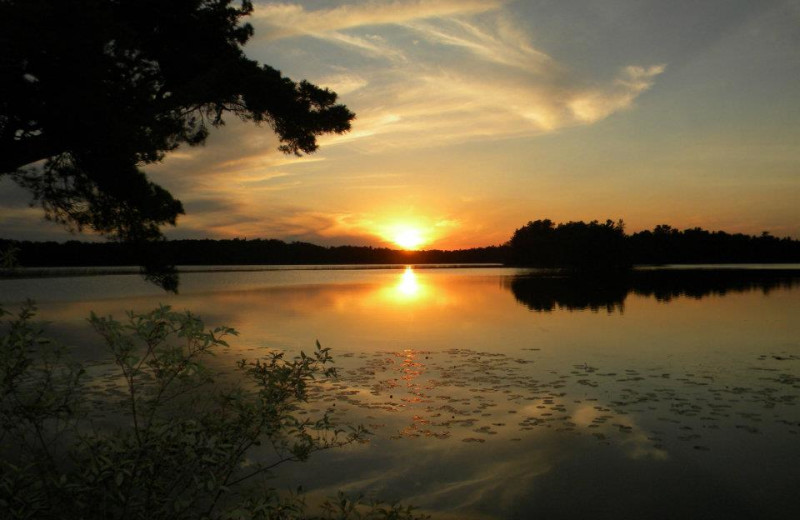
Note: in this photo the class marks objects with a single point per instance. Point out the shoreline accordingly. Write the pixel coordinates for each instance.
(79, 271)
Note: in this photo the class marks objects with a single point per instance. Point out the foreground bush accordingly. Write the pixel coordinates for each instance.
(181, 444)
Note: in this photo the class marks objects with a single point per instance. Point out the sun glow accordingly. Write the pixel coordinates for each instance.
(408, 233)
(407, 236)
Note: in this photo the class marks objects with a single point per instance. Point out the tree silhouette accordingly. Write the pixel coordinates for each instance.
(573, 245)
(604, 247)
(92, 90)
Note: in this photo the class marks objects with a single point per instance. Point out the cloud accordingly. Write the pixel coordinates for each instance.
(237, 155)
(232, 215)
(251, 218)
(372, 47)
(281, 20)
(499, 41)
(259, 194)
(248, 218)
(29, 224)
(597, 104)
(234, 186)
(443, 105)
(450, 72)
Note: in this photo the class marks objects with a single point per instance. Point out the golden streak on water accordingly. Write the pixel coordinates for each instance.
(408, 287)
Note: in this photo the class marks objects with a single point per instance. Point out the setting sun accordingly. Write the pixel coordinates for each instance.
(408, 238)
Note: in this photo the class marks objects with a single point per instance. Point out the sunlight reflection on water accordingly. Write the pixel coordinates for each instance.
(409, 287)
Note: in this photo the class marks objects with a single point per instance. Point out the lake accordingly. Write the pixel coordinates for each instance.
(511, 393)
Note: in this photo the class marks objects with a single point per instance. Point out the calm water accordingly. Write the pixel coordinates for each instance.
(493, 394)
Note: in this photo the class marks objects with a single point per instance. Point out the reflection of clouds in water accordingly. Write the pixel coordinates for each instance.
(637, 443)
(470, 431)
(464, 480)
(473, 397)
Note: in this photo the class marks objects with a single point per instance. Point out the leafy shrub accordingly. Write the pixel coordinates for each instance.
(181, 443)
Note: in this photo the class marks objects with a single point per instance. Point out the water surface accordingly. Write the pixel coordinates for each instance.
(500, 394)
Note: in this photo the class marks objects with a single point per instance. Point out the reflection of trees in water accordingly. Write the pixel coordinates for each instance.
(544, 293)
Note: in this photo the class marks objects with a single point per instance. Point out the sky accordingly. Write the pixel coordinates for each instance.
(475, 117)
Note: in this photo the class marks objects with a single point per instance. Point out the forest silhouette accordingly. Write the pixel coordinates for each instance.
(602, 248)
(605, 247)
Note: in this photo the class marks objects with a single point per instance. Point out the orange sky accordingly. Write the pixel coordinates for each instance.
(474, 117)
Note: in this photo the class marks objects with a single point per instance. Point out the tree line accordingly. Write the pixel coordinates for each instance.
(606, 247)
(592, 246)
(233, 252)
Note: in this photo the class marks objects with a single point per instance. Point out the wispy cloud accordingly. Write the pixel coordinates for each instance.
(595, 104)
(291, 222)
(451, 72)
(500, 41)
(28, 223)
(444, 105)
(343, 83)
(368, 46)
(280, 20)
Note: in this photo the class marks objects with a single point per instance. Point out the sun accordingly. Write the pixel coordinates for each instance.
(410, 234)
(408, 237)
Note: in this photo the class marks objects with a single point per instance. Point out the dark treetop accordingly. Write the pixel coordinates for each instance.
(93, 90)
(605, 247)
